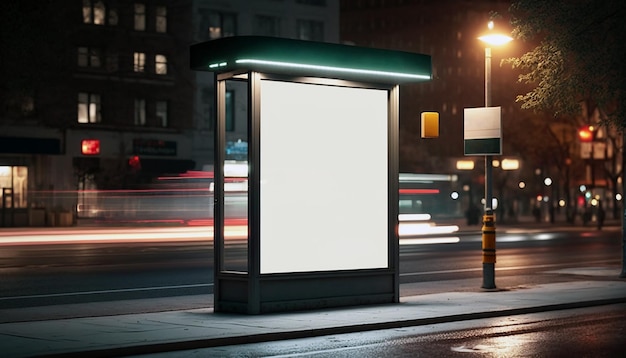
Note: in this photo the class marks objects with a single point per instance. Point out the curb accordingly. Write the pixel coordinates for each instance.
(288, 335)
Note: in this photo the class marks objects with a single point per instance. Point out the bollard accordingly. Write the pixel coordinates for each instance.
(489, 251)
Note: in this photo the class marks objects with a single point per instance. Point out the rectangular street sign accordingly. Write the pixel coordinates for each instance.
(482, 131)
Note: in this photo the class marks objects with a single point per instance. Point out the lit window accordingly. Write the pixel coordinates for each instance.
(161, 19)
(87, 11)
(139, 62)
(140, 17)
(14, 180)
(93, 12)
(89, 57)
(161, 113)
(98, 13)
(140, 112)
(221, 25)
(310, 30)
(160, 63)
(89, 108)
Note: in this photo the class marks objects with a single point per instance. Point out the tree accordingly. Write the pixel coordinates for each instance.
(578, 65)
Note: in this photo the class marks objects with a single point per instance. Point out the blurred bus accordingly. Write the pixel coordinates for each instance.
(188, 199)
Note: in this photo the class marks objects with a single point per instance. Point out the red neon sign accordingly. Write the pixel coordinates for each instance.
(90, 146)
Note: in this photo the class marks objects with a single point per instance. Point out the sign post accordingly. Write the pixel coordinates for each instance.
(483, 136)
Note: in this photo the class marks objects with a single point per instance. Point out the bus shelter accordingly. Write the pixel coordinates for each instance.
(320, 193)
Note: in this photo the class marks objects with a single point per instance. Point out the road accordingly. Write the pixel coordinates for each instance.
(44, 274)
(588, 332)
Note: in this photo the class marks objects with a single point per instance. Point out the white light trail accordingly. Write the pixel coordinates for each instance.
(108, 235)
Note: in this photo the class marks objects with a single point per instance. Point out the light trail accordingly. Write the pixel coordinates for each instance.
(430, 240)
(116, 235)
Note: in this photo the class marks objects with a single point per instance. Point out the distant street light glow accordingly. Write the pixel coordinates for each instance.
(465, 164)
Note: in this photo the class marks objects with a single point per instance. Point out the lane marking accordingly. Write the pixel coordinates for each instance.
(500, 268)
(85, 293)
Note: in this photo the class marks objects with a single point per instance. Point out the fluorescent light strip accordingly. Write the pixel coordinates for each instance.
(216, 65)
(335, 69)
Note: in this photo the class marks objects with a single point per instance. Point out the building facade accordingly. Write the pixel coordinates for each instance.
(313, 20)
(100, 96)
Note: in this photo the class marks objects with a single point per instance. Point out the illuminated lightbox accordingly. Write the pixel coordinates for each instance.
(323, 177)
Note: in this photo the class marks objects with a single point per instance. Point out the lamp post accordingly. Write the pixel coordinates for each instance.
(489, 229)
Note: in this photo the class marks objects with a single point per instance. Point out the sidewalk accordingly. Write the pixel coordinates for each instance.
(127, 335)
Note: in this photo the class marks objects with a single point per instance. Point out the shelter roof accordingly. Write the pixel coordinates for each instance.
(309, 58)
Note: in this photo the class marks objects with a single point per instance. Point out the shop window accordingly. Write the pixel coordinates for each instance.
(14, 184)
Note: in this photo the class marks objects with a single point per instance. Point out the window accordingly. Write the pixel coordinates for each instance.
(230, 111)
(89, 108)
(267, 25)
(112, 62)
(113, 18)
(89, 57)
(140, 17)
(312, 2)
(14, 181)
(310, 30)
(140, 112)
(93, 12)
(27, 105)
(140, 62)
(160, 65)
(206, 120)
(161, 113)
(221, 25)
(161, 19)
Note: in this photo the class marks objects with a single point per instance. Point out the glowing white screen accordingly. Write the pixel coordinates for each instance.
(324, 189)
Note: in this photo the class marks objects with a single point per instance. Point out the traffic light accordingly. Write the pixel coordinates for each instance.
(134, 162)
(586, 134)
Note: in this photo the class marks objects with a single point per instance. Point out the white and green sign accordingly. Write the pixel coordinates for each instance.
(482, 131)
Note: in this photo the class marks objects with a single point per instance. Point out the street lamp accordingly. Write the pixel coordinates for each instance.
(489, 229)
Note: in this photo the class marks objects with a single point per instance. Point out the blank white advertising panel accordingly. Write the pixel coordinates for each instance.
(323, 171)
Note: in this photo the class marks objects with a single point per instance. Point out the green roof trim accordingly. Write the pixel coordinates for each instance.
(309, 58)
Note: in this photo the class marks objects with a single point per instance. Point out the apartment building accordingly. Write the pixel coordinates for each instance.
(100, 96)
